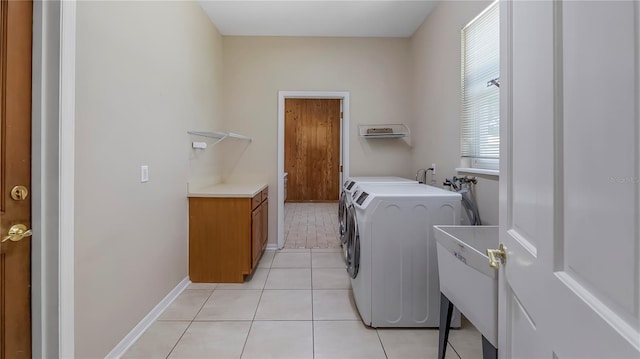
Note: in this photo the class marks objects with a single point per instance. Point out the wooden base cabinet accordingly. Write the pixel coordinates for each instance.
(226, 237)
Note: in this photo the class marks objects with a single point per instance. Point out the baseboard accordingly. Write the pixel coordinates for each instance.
(272, 247)
(146, 322)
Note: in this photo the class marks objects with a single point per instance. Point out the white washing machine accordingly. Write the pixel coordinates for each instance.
(391, 252)
(350, 186)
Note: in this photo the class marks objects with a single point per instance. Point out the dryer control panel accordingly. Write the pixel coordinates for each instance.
(363, 196)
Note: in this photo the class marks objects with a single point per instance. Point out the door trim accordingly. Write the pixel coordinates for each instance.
(53, 156)
(344, 148)
(67, 174)
(506, 57)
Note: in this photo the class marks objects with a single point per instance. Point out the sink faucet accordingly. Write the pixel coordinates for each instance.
(423, 178)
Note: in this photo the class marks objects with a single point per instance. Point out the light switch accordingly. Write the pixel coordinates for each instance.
(144, 173)
(199, 145)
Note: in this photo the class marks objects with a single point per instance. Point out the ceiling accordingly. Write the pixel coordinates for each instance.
(343, 18)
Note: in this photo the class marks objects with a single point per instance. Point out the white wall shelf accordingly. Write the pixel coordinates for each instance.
(220, 136)
(396, 130)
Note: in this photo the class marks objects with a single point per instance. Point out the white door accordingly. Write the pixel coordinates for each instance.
(570, 179)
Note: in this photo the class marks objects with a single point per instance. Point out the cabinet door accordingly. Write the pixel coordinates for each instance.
(265, 223)
(256, 235)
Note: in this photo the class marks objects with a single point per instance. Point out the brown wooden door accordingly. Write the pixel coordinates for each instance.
(312, 149)
(15, 169)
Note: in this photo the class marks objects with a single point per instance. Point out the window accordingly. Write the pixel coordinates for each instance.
(480, 133)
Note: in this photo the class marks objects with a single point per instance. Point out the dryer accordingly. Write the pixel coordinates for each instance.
(350, 186)
(391, 252)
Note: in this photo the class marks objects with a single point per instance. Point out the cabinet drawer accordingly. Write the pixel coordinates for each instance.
(265, 194)
(256, 200)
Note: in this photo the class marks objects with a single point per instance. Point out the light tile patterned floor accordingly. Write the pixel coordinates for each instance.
(298, 304)
(311, 225)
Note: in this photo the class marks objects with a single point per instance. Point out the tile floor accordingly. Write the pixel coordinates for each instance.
(311, 225)
(298, 304)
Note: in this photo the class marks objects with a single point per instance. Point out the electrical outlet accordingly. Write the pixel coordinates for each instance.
(144, 173)
(433, 165)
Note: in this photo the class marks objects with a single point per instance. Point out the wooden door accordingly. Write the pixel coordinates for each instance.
(15, 167)
(312, 149)
(570, 179)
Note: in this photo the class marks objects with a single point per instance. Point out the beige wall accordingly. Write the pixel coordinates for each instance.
(375, 71)
(435, 54)
(146, 73)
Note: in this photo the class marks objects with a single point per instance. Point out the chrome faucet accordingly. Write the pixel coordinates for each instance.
(423, 178)
(424, 175)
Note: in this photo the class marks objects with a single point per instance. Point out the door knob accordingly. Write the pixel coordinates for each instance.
(17, 232)
(497, 254)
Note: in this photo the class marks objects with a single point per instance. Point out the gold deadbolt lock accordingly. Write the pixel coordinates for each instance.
(19, 193)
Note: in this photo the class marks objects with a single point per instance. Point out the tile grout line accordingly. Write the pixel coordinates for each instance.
(244, 346)
(179, 339)
(381, 344)
(454, 349)
(190, 323)
(205, 302)
(313, 323)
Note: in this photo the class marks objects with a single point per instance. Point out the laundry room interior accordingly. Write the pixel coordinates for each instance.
(287, 179)
(412, 80)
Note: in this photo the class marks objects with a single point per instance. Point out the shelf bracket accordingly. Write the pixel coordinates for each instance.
(220, 136)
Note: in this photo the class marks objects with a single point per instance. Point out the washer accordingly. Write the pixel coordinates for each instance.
(350, 186)
(391, 252)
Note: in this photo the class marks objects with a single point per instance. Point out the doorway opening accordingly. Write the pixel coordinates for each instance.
(343, 149)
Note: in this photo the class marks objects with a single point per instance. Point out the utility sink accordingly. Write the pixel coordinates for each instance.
(466, 278)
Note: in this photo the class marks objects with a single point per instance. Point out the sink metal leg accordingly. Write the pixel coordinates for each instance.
(488, 350)
(446, 312)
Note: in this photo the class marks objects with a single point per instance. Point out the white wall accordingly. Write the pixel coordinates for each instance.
(147, 72)
(375, 71)
(435, 55)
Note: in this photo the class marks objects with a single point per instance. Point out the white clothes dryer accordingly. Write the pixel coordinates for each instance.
(391, 252)
(350, 186)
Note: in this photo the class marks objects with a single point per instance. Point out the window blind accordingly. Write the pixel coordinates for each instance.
(480, 131)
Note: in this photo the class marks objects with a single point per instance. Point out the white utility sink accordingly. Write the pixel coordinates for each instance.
(466, 278)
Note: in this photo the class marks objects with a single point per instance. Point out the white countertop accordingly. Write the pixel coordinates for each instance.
(226, 190)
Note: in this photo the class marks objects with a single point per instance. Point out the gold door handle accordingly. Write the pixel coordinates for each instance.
(495, 254)
(17, 232)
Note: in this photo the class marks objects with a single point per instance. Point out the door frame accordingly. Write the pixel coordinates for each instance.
(67, 178)
(53, 172)
(344, 143)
